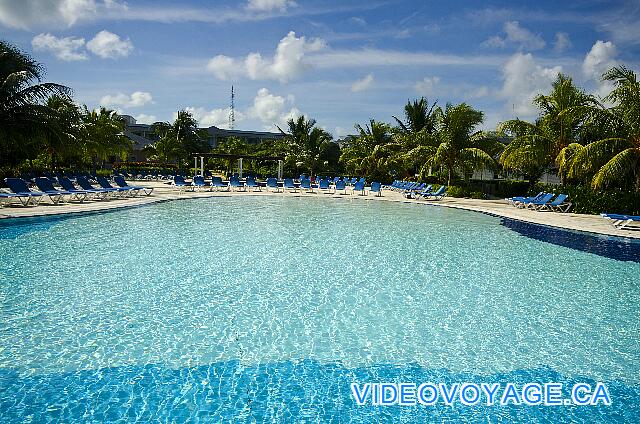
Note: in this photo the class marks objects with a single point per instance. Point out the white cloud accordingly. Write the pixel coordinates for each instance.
(136, 99)
(214, 117)
(288, 61)
(223, 67)
(358, 21)
(266, 106)
(271, 110)
(523, 80)
(65, 48)
(109, 45)
(515, 35)
(377, 57)
(426, 86)
(143, 118)
(362, 84)
(26, 14)
(269, 5)
(600, 58)
(562, 43)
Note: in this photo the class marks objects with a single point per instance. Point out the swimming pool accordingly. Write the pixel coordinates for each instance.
(267, 309)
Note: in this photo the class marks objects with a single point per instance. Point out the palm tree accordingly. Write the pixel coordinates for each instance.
(418, 116)
(358, 156)
(537, 146)
(615, 159)
(103, 135)
(23, 115)
(305, 140)
(180, 138)
(459, 145)
(63, 138)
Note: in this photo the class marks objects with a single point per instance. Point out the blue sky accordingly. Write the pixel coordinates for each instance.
(338, 62)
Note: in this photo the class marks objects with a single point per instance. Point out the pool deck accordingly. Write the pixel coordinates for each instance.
(164, 192)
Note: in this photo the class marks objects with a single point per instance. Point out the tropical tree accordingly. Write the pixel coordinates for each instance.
(103, 135)
(613, 160)
(553, 137)
(356, 156)
(63, 138)
(24, 116)
(306, 140)
(459, 145)
(418, 115)
(179, 139)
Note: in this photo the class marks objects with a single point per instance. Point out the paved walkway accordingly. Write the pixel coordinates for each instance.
(164, 192)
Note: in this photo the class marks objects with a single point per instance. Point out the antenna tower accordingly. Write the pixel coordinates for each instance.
(232, 108)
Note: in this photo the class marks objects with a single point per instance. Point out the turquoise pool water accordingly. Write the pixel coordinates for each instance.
(267, 309)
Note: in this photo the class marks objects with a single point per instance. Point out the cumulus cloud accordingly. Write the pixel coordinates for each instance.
(271, 110)
(515, 35)
(600, 58)
(524, 79)
(362, 84)
(269, 5)
(108, 45)
(214, 117)
(223, 67)
(27, 14)
(65, 48)
(136, 99)
(287, 63)
(143, 118)
(426, 86)
(562, 42)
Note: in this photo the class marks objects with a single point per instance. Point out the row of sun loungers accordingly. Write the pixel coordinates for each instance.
(68, 191)
(415, 190)
(288, 184)
(542, 201)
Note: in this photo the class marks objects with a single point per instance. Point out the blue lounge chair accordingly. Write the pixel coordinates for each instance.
(324, 186)
(5, 198)
(119, 179)
(538, 204)
(438, 194)
(104, 183)
(306, 185)
(181, 184)
(86, 185)
(251, 183)
(289, 185)
(272, 183)
(520, 199)
(559, 204)
(359, 186)
(46, 186)
(218, 184)
(425, 191)
(199, 183)
(68, 186)
(19, 186)
(376, 187)
(620, 221)
(235, 183)
(340, 185)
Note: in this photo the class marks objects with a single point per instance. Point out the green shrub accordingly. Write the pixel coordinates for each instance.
(456, 191)
(477, 195)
